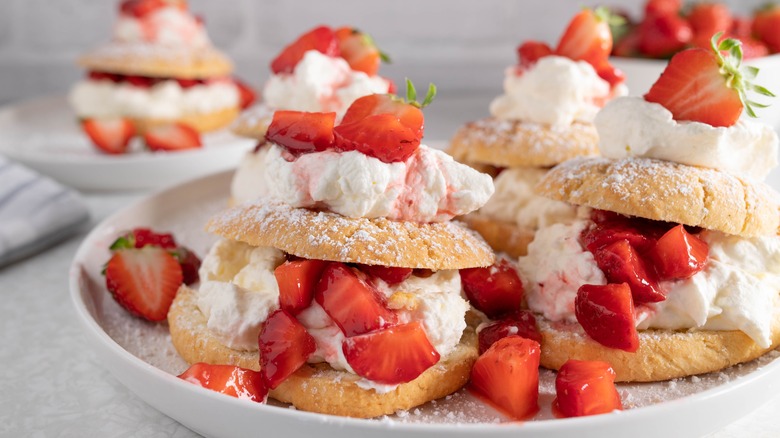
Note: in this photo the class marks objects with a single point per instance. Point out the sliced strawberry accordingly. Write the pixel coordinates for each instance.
(660, 36)
(321, 39)
(521, 323)
(663, 7)
(297, 280)
(144, 281)
(585, 388)
(766, 23)
(507, 376)
(410, 115)
(709, 18)
(391, 355)
(359, 50)
(172, 137)
(234, 381)
(140, 81)
(301, 132)
(679, 254)
(141, 8)
(355, 306)
(494, 290)
(587, 38)
(621, 263)
(103, 76)
(600, 235)
(381, 136)
(109, 135)
(190, 264)
(531, 51)
(284, 346)
(188, 83)
(606, 313)
(390, 275)
(247, 95)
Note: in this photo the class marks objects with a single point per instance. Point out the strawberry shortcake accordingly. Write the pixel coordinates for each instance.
(675, 268)
(341, 283)
(544, 118)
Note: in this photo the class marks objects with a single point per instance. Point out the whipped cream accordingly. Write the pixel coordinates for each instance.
(428, 187)
(164, 100)
(321, 83)
(516, 202)
(631, 126)
(555, 91)
(736, 291)
(170, 26)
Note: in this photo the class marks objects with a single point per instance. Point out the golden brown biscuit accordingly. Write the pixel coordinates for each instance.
(662, 354)
(502, 236)
(330, 236)
(202, 122)
(253, 123)
(514, 143)
(158, 61)
(319, 388)
(666, 191)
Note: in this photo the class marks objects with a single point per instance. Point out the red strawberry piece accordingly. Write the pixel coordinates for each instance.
(587, 38)
(679, 254)
(610, 73)
(392, 355)
(111, 136)
(663, 7)
(172, 137)
(144, 281)
(661, 36)
(600, 235)
(585, 388)
(390, 275)
(409, 115)
(752, 48)
(301, 132)
(507, 376)
(521, 323)
(606, 313)
(766, 23)
(141, 8)
(741, 28)
(140, 81)
(494, 290)
(234, 381)
(247, 95)
(628, 45)
(188, 83)
(321, 39)
(190, 264)
(297, 280)
(621, 263)
(353, 304)
(284, 346)
(382, 136)
(531, 51)
(391, 87)
(706, 86)
(359, 50)
(709, 18)
(102, 76)
(141, 237)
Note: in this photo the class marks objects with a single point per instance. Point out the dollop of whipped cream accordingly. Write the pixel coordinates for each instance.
(164, 100)
(428, 187)
(170, 26)
(555, 91)
(736, 291)
(516, 202)
(633, 127)
(321, 83)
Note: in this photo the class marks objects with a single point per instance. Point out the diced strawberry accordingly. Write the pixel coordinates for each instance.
(188, 83)
(111, 136)
(353, 304)
(301, 132)
(494, 290)
(172, 137)
(390, 275)
(140, 81)
(531, 51)
(297, 280)
(382, 136)
(141, 237)
(610, 73)
(679, 254)
(144, 281)
(234, 381)
(663, 7)
(600, 235)
(103, 76)
(587, 38)
(766, 23)
(709, 18)
(392, 355)
(410, 115)
(141, 8)
(507, 376)
(190, 264)
(359, 50)
(621, 263)
(606, 313)
(585, 388)
(284, 346)
(321, 39)
(247, 95)
(521, 323)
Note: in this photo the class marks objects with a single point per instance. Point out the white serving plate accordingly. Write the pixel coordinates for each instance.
(140, 355)
(44, 134)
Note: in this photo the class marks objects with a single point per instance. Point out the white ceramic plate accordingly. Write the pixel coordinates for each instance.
(140, 355)
(43, 134)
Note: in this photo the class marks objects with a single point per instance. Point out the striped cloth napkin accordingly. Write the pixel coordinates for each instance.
(35, 212)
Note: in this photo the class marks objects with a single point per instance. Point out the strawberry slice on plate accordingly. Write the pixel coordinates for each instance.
(144, 281)
(301, 132)
(521, 323)
(679, 254)
(585, 388)
(234, 381)
(284, 346)
(506, 376)
(321, 39)
(493, 290)
(392, 355)
(606, 313)
(360, 51)
(297, 280)
(172, 137)
(111, 136)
